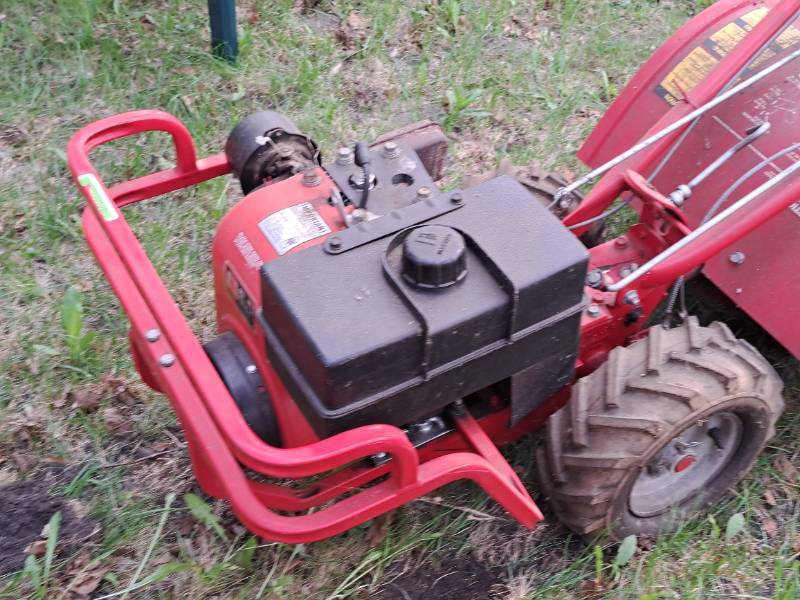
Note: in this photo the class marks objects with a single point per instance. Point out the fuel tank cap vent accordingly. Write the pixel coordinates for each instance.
(434, 257)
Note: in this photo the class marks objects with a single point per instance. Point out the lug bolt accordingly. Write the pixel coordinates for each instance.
(344, 156)
(285, 151)
(737, 258)
(311, 178)
(424, 193)
(166, 360)
(152, 335)
(390, 150)
(682, 446)
(593, 310)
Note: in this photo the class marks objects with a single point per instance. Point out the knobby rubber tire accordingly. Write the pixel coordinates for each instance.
(619, 417)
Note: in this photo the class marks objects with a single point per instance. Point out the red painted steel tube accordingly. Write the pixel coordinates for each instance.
(721, 236)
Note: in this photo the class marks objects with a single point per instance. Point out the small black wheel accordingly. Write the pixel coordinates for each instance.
(665, 428)
(240, 375)
(267, 147)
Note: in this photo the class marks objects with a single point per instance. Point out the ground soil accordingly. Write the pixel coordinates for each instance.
(26, 508)
(456, 579)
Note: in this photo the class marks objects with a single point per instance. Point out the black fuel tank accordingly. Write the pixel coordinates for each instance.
(413, 312)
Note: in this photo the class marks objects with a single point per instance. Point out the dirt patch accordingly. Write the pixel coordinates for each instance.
(26, 508)
(455, 579)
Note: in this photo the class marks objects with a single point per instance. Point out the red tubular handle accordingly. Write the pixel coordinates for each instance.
(131, 123)
(188, 170)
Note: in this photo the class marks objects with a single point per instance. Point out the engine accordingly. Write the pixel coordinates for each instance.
(389, 305)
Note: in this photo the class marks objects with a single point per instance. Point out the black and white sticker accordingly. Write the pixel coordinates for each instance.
(293, 226)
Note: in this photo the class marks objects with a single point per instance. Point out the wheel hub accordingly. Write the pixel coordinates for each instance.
(686, 464)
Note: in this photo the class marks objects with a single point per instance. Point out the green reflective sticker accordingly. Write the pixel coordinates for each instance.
(99, 197)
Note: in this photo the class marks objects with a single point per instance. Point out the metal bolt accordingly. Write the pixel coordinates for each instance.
(344, 156)
(632, 297)
(390, 150)
(628, 269)
(593, 310)
(380, 457)
(357, 180)
(335, 242)
(594, 278)
(621, 242)
(682, 446)
(152, 335)
(458, 408)
(457, 198)
(251, 369)
(424, 193)
(424, 426)
(737, 258)
(311, 178)
(285, 151)
(166, 360)
(359, 215)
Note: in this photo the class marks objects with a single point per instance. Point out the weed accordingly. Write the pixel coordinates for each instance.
(77, 339)
(38, 572)
(462, 105)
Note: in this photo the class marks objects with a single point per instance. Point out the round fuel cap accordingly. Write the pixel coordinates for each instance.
(434, 256)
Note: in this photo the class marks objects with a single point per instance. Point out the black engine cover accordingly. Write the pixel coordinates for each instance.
(392, 331)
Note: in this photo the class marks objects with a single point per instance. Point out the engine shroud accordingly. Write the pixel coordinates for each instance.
(382, 334)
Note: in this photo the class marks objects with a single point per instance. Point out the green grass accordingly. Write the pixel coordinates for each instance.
(526, 80)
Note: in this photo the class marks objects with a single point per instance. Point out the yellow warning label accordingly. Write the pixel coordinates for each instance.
(788, 38)
(689, 72)
(700, 61)
(726, 38)
(754, 17)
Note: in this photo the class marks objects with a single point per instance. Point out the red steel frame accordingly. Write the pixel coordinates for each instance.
(220, 443)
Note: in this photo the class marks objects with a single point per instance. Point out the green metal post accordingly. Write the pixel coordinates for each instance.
(222, 16)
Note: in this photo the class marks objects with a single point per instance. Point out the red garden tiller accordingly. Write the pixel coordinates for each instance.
(380, 338)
